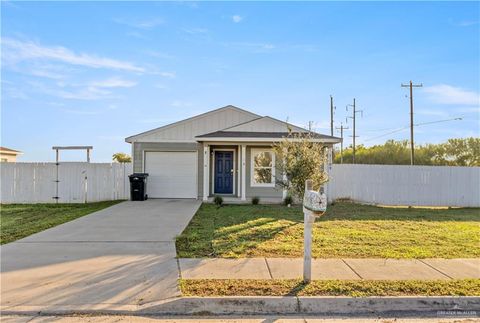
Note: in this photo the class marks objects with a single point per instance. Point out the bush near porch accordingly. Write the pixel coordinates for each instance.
(347, 230)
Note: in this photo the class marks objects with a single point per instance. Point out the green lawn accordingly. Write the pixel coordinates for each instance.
(355, 288)
(347, 230)
(20, 220)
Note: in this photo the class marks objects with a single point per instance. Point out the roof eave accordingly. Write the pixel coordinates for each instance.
(253, 139)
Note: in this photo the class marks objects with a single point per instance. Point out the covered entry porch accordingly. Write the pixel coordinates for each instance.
(239, 171)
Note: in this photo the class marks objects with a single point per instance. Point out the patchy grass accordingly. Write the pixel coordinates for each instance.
(347, 230)
(355, 288)
(21, 220)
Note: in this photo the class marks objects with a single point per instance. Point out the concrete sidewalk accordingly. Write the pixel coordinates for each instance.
(347, 269)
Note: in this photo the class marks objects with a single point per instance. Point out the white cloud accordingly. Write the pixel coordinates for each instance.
(161, 86)
(167, 74)
(140, 23)
(81, 112)
(194, 31)
(265, 47)
(74, 92)
(470, 110)
(180, 104)
(447, 94)
(89, 93)
(432, 112)
(236, 18)
(255, 47)
(15, 50)
(467, 23)
(47, 74)
(158, 54)
(112, 82)
(14, 93)
(137, 35)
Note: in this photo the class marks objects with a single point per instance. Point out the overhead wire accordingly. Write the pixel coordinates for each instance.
(415, 125)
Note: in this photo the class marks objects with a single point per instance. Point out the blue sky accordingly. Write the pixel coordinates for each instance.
(94, 73)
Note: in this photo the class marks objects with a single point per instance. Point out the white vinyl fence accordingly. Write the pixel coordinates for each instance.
(377, 184)
(77, 182)
(406, 185)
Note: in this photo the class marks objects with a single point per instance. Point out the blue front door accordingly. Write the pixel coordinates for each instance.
(224, 172)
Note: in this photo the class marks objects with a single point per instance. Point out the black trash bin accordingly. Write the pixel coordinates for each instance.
(138, 186)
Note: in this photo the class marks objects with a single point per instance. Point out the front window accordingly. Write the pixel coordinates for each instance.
(263, 168)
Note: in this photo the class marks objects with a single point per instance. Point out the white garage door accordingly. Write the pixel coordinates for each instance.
(171, 174)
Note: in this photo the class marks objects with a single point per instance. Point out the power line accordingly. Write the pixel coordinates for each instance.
(412, 147)
(438, 121)
(416, 125)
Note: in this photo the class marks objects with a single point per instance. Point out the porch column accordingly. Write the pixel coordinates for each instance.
(206, 171)
(239, 163)
(244, 173)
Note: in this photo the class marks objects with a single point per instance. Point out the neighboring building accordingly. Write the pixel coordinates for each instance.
(8, 155)
(222, 152)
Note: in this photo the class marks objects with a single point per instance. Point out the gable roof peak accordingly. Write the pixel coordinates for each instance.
(199, 116)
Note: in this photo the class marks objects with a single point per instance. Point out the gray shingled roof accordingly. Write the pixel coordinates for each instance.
(245, 134)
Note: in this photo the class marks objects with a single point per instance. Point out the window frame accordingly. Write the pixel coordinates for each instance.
(253, 152)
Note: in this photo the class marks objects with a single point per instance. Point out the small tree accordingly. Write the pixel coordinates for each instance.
(121, 158)
(300, 159)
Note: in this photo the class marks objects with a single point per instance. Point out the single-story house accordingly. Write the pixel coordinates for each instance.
(225, 152)
(8, 155)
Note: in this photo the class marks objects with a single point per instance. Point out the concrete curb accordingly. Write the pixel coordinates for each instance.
(434, 306)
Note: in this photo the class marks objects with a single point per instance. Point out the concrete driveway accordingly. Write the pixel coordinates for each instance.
(122, 255)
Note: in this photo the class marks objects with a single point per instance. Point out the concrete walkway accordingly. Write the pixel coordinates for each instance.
(369, 269)
(122, 255)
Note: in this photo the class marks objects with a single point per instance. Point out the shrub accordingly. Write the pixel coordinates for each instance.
(300, 158)
(288, 200)
(218, 200)
(255, 200)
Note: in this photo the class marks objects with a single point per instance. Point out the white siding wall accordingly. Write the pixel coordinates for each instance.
(35, 182)
(406, 185)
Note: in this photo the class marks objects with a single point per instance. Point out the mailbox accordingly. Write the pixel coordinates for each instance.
(313, 201)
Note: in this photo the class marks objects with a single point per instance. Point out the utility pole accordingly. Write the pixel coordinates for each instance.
(341, 142)
(331, 115)
(354, 114)
(412, 146)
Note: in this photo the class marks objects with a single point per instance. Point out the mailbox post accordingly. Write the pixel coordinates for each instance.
(314, 205)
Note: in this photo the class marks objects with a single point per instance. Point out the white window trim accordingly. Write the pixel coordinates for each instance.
(253, 152)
